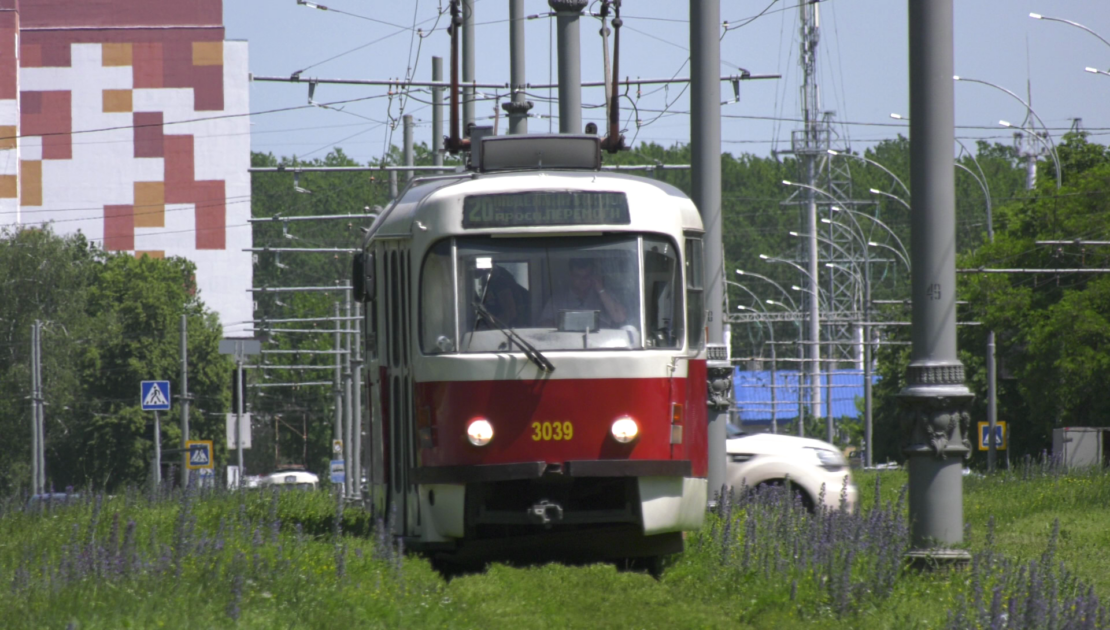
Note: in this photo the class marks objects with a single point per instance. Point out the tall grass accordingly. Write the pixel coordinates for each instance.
(134, 559)
(215, 559)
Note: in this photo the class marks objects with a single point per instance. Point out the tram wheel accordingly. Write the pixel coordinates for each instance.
(652, 565)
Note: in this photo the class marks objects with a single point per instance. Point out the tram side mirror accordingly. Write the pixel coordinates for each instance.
(362, 277)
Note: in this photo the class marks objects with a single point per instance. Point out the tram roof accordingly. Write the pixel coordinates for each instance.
(397, 220)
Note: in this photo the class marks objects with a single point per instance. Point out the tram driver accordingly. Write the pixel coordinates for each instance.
(585, 292)
(506, 299)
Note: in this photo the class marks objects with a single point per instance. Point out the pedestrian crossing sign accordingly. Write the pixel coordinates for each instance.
(200, 454)
(1000, 437)
(155, 395)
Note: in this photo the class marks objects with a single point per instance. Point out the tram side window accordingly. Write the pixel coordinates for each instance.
(662, 294)
(437, 323)
(695, 299)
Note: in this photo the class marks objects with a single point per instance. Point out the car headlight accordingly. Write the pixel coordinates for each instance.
(625, 430)
(829, 460)
(479, 432)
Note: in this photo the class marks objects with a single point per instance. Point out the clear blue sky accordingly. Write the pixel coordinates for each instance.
(862, 67)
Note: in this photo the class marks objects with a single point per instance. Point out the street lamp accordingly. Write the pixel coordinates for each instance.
(876, 191)
(872, 163)
(1037, 136)
(1096, 71)
(741, 272)
(877, 222)
(774, 357)
(772, 259)
(820, 294)
(857, 280)
(898, 253)
(814, 323)
(1029, 108)
(847, 255)
(853, 212)
(903, 256)
(1038, 16)
(801, 363)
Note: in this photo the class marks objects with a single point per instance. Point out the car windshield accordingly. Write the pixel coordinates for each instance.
(618, 292)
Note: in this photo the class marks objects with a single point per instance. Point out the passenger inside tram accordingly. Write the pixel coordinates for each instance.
(584, 292)
(506, 299)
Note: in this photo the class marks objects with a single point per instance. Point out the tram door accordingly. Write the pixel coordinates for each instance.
(395, 386)
(374, 322)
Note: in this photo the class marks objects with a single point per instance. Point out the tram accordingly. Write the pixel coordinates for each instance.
(536, 357)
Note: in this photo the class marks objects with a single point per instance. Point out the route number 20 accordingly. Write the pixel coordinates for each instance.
(548, 431)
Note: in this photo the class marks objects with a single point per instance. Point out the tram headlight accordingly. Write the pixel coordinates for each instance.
(625, 430)
(479, 432)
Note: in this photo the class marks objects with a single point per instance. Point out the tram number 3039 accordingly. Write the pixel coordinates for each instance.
(552, 431)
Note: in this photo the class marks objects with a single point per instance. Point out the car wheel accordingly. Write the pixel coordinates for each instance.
(803, 496)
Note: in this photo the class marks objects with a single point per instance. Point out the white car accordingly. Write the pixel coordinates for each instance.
(291, 480)
(761, 459)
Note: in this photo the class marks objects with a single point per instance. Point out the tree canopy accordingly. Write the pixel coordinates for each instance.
(110, 321)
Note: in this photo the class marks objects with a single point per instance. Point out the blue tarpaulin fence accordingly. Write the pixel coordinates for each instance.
(752, 394)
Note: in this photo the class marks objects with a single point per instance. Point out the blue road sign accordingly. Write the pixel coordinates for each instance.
(337, 471)
(200, 454)
(999, 435)
(155, 396)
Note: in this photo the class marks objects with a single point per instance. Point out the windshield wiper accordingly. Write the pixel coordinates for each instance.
(535, 356)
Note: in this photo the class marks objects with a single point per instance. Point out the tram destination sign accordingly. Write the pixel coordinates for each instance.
(537, 209)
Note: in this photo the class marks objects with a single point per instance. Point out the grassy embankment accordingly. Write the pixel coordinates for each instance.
(225, 561)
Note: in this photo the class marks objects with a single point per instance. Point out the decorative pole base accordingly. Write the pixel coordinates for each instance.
(937, 559)
(935, 421)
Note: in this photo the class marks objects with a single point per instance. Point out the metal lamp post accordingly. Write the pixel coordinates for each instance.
(872, 163)
(801, 361)
(814, 337)
(1038, 16)
(934, 401)
(741, 272)
(876, 191)
(1032, 112)
(774, 358)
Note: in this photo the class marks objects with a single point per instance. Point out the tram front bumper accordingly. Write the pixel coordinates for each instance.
(660, 495)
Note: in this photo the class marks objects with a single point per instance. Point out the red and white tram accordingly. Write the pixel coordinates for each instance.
(537, 364)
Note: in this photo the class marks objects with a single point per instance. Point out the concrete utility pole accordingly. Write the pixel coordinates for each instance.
(184, 400)
(518, 107)
(868, 415)
(348, 402)
(42, 411)
(467, 66)
(241, 391)
(705, 173)
(567, 13)
(338, 376)
(356, 363)
(935, 399)
(406, 123)
(437, 112)
(36, 398)
(992, 373)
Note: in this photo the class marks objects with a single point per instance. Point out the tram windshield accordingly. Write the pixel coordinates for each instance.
(620, 292)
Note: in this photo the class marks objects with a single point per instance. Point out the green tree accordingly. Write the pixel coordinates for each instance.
(1052, 329)
(110, 321)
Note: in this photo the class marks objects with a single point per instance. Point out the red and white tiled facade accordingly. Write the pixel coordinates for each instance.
(126, 120)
